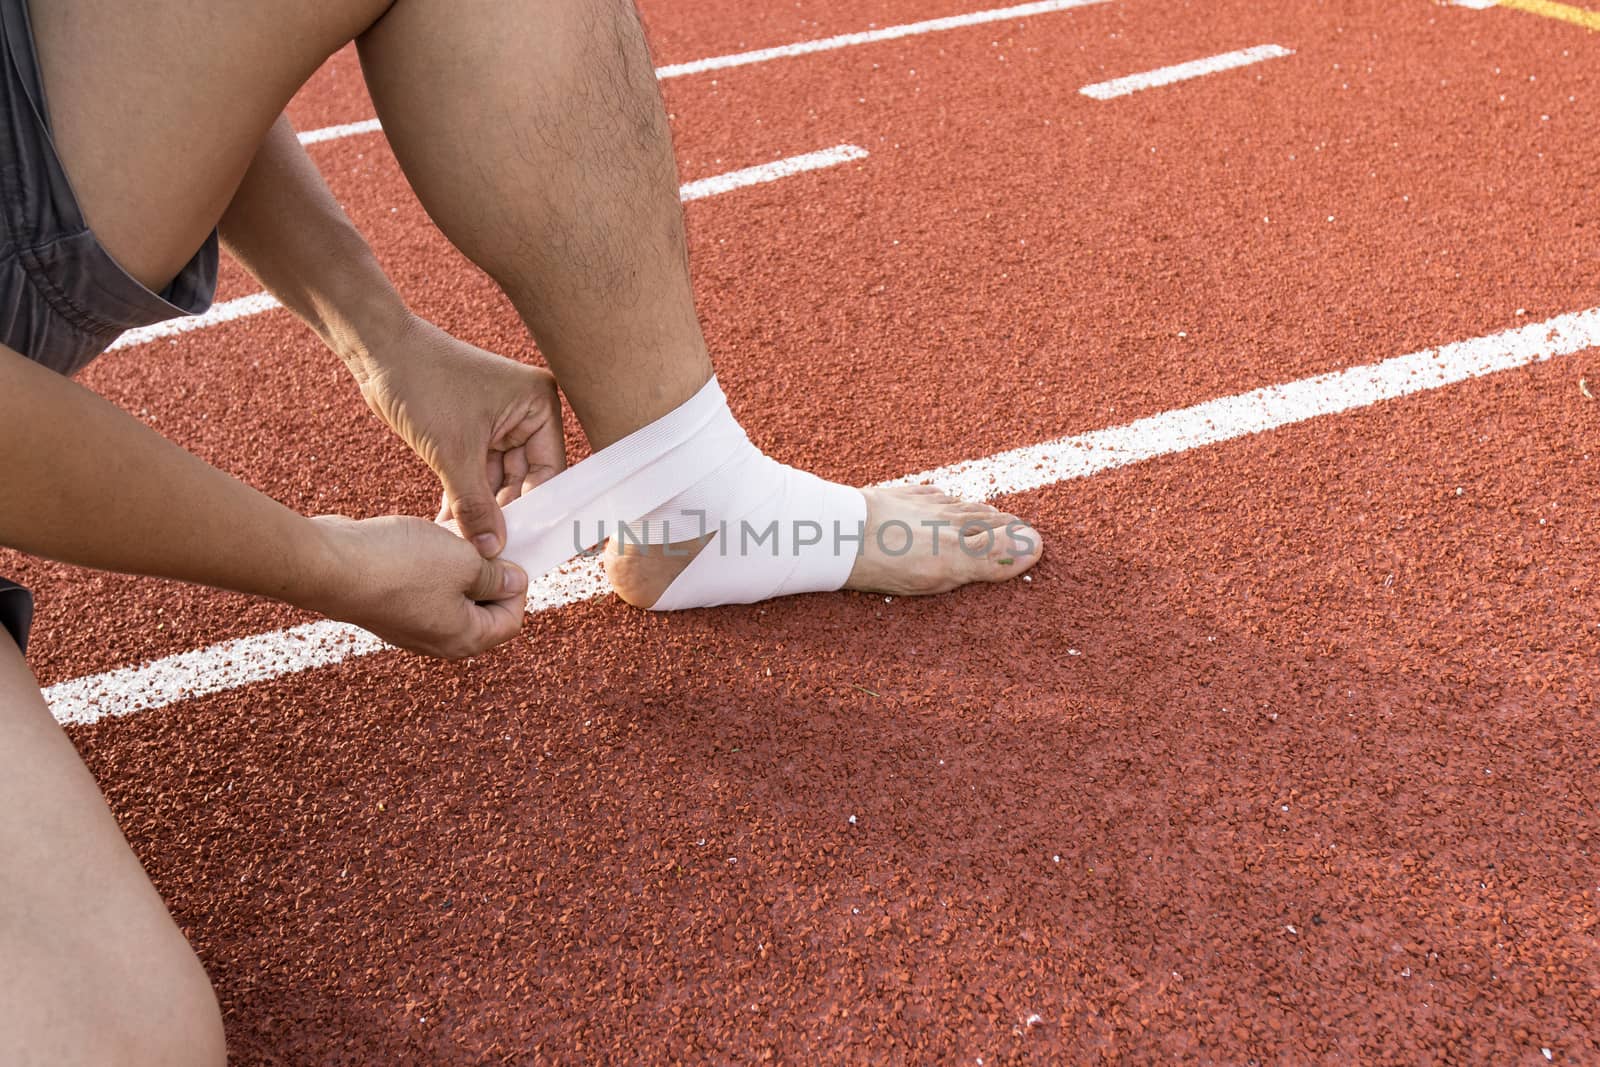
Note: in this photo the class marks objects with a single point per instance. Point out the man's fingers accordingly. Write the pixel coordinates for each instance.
(498, 579)
(510, 484)
(501, 594)
(469, 485)
(546, 453)
(497, 623)
(480, 521)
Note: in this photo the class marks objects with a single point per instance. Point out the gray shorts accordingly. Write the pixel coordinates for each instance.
(16, 612)
(63, 299)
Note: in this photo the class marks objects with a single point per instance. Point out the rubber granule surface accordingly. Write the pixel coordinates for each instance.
(1283, 754)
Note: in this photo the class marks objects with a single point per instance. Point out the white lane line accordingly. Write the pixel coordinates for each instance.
(274, 655)
(1265, 409)
(226, 311)
(771, 172)
(256, 303)
(334, 133)
(799, 48)
(263, 657)
(220, 667)
(1195, 68)
(887, 33)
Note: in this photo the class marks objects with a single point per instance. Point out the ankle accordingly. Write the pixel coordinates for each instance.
(639, 574)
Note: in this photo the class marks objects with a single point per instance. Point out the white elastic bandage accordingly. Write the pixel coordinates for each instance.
(777, 530)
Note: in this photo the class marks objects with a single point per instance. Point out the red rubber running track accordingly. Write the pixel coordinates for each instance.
(1286, 753)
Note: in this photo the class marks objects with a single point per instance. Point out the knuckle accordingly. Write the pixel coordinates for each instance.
(474, 508)
(486, 582)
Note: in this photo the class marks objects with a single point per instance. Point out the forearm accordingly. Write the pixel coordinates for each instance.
(89, 484)
(288, 231)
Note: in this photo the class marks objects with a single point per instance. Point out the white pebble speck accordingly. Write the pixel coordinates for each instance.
(852, 820)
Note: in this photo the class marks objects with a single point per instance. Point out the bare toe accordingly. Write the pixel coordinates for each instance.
(938, 543)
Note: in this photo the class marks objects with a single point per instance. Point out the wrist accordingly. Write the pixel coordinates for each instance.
(364, 328)
(323, 573)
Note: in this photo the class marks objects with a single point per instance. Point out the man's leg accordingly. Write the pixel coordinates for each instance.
(536, 138)
(157, 107)
(534, 134)
(95, 971)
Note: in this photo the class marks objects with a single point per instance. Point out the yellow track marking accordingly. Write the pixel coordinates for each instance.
(1550, 9)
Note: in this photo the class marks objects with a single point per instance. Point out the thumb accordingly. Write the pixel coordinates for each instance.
(497, 579)
(473, 506)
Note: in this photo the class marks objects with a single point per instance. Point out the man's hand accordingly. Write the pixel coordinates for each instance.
(489, 427)
(137, 503)
(417, 586)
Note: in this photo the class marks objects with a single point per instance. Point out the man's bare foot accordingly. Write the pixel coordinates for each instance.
(919, 540)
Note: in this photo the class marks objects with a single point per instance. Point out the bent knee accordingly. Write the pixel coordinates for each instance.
(194, 1035)
(178, 1021)
(156, 1010)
